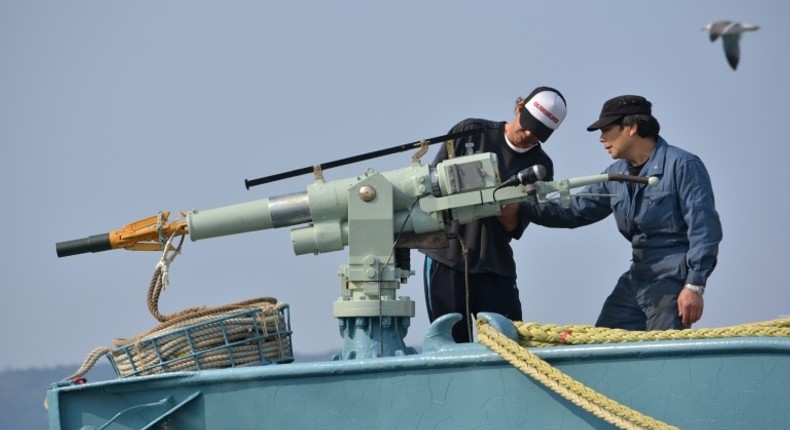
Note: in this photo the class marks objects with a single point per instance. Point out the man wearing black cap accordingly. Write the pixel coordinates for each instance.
(673, 228)
(476, 272)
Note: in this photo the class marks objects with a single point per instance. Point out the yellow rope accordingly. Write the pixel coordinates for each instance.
(534, 334)
(574, 391)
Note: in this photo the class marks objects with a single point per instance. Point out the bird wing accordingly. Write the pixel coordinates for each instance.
(718, 29)
(732, 49)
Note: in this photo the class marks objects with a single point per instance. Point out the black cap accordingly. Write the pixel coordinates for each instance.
(618, 107)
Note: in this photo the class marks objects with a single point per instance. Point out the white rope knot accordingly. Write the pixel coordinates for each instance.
(162, 267)
(168, 255)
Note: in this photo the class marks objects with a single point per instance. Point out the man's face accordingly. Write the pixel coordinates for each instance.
(522, 137)
(615, 140)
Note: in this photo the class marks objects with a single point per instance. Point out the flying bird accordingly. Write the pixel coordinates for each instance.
(730, 33)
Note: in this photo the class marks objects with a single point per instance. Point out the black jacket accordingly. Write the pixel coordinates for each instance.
(486, 239)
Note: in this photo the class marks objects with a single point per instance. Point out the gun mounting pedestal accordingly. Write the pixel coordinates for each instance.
(373, 320)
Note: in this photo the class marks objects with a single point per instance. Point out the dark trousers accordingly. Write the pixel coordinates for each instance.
(635, 305)
(446, 292)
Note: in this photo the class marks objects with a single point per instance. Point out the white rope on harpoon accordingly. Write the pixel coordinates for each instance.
(163, 266)
(161, 278)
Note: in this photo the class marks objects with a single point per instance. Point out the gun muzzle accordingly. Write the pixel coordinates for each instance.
(94, 243)
(147, 234)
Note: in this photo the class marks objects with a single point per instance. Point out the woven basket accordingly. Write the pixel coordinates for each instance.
(250, 337)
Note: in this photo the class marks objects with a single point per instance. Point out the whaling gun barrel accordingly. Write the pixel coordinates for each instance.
(275, 212)
(324, 207)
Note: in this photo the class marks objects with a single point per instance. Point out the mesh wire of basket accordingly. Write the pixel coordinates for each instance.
(258, 336)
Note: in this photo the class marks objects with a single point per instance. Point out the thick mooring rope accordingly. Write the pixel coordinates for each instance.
(88, 363)
(533, 334)
(572, 390)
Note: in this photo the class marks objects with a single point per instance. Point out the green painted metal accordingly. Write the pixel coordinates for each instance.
(367, 214)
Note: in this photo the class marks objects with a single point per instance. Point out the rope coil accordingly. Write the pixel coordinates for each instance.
(246, 333)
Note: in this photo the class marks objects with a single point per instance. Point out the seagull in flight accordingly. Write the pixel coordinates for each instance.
(730, 33)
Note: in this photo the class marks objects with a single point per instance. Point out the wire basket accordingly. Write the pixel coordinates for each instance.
(257, 336)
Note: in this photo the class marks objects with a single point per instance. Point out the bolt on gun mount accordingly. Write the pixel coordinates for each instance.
(371, 214)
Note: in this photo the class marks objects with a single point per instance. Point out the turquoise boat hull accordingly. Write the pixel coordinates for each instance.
(735, 383)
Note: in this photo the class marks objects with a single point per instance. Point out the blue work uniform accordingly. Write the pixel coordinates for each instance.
(673, 228)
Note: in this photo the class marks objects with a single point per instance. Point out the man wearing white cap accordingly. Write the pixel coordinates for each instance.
(476, 272)
(673, 228)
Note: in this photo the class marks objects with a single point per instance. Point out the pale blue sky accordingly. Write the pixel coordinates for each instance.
(111, 111)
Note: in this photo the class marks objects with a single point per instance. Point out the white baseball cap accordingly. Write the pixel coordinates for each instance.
(543, 112)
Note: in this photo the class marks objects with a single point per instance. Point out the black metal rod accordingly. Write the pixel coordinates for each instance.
(95, 243)
(360, 157)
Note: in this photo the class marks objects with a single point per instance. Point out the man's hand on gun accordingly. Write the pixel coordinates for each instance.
(508, 216)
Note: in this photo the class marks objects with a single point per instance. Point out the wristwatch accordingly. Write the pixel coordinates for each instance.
(696, 288)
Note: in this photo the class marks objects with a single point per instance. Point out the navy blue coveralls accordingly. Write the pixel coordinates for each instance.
(673, 228)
